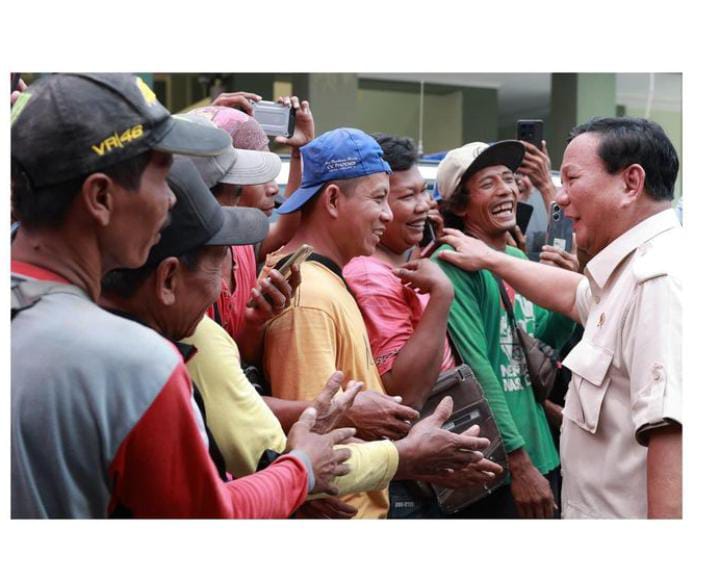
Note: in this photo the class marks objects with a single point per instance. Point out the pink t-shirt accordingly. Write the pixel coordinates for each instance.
(390, 309)
(232, 304)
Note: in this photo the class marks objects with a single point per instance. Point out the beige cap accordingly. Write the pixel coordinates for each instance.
(473, 157)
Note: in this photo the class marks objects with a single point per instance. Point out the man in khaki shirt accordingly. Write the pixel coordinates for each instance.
(621, 440)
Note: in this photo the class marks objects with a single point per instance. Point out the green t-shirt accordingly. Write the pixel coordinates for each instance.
(482, 334)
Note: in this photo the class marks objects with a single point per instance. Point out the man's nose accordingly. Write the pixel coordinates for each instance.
(561, 197)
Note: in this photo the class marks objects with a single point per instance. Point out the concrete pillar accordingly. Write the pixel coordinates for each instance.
(333, 98)
(575, 98)
(479, 115)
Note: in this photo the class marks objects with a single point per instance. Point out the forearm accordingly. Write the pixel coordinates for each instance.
(250, 342)
(547, 286)
(295, 172)
(280, 233)
(547, 190)
(664, 473)
(425, 346)
(286, 411)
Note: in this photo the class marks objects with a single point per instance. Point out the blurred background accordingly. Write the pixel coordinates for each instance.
(444, 110)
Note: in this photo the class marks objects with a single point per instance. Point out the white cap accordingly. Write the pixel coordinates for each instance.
(477, 155)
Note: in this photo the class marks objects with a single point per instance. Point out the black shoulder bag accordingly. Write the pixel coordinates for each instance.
(541, 359)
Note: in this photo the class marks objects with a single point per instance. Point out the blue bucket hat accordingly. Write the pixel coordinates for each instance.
(343, 153)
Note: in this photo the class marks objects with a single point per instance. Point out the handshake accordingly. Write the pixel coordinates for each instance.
(427, 452)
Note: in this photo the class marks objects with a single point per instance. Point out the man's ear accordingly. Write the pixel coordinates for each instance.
(97, 197)
(167, 278)
(634, 183)
(330, 198)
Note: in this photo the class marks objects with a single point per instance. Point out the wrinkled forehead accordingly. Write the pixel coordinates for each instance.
(491, 171)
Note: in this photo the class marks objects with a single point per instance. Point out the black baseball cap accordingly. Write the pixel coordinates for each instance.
(197, 219)
(66, 126)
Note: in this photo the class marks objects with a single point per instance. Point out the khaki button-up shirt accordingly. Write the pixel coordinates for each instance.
(627, 375)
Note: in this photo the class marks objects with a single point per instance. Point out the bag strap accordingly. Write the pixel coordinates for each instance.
(511, 316)
(506, 301)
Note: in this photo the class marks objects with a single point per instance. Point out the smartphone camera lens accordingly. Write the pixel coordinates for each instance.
(556, 216)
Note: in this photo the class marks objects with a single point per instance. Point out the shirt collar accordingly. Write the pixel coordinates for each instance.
(601, 267)
(36, 272)
(186, 350)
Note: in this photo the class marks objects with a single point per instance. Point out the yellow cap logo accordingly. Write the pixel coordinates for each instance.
(148, 94)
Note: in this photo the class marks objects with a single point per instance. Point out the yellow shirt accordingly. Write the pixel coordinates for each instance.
(244, 426)
(321, 332)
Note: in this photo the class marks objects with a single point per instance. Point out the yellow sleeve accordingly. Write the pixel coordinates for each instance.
(372, 466)
(300, 353)
(242, 424)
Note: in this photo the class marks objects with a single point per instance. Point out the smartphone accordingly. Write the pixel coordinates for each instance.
(276, 119)
(285, 266)
(428, 234)
(530, 131)
(297, 257)
(560, 229)
(523, 212)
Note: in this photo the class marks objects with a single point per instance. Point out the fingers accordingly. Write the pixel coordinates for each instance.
(258, 302)
(339, 436)
(474, 431)
(549, 508)
(442, 411)
(351, 392)
(405, 413)
(487, 466)
(342, 510)
(279, 282)
(341, 455)
(411, 265)
(394, 429)
(307, 418)
(331, 388)
(470, 443)
(295, 278)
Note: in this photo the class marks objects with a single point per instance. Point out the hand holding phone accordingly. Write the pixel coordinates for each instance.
(560, 229)
(530, 131)
(523, 212)
(269, 296)
(276, 119)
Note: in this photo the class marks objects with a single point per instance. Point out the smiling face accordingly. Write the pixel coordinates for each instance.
(492, 198)
(590, 195)
(364, 215)
(409, 203)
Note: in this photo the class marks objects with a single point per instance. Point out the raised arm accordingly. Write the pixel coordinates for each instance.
(547, 286)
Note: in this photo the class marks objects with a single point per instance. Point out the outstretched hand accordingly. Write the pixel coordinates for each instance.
(330, 406)
(430, 450)
(470, 254)
(327, 462)
(379, 416)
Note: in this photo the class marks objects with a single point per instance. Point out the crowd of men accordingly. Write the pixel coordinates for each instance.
(163, 366)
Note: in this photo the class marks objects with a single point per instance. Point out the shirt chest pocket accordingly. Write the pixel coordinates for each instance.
(589, 364)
